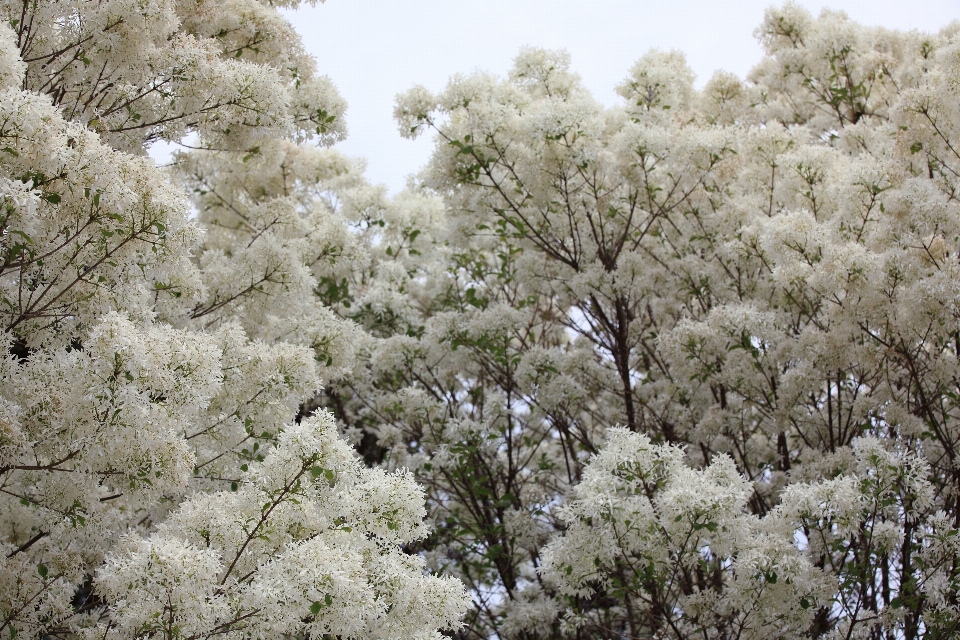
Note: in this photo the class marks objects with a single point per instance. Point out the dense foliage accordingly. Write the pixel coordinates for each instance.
(684, 368)
(758, 281)
(157, 478)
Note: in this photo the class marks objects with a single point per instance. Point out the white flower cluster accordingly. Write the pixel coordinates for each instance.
(646, 527)
(309, 542)
(642, 523)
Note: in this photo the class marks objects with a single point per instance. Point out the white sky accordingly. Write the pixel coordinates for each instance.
(375, 49)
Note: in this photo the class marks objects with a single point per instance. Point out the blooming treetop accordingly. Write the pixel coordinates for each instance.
(157, 474)
(758, 281)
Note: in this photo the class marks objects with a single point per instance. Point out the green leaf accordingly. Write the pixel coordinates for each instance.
(315, 608)
(42, 570)
(328, 599)
(22, 235)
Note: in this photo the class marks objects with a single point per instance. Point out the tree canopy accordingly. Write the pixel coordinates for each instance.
(688, 367)
(157, 476)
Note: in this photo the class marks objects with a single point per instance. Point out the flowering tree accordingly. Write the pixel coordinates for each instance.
(159, 476)
(756, 280)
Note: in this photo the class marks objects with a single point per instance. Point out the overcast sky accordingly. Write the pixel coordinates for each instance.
(374, 49)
